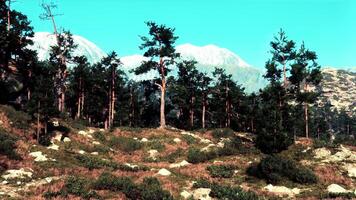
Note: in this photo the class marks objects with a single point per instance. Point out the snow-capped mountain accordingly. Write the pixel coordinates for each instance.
(43, 42)
(208, 57)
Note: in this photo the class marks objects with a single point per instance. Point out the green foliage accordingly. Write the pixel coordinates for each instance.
(221, 171)
(155, 144)
(228, 192)
(125, 144)
(79, 187)
(202, 183)
(189, 139)
(8, 145)
(173, 156)
(18, 119)
(99, 136)
(197, 156)
(225, 192)
(269, 142)
(148, 190)
(222, 133)
(275, 169)
(92, 162)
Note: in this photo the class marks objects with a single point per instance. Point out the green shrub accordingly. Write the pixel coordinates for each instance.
(275, 169)
(189, 139)
(156, 144)
(222, 133)
(150, 188)
(227, 192)
(345, 139)
(202, 183)
(79, 187)
(18, 119)
(92, 162)
(101, 148)
(221, 171)
(99, 136)
(8, 145)
(172, 157)
(273, 142)
(125, 144)
(45, 140)
(197, 156)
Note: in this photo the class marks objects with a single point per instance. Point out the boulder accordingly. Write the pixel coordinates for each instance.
(351, 170)
(144, 140)
(282, 190)
(66, 139)
(153, 153)
(94, 153)
(335, 188)
(202, 194)
(53, 147)
(185, 194)
(164, 172)
(321, 153)
(39, 157)
(81, 152)
(181, 164)
(177, 140)
(96, 143)
(17, 174)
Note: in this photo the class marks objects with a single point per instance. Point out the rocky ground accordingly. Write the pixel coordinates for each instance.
(139, 153)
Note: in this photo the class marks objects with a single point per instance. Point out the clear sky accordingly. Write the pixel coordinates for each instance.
(244, 26)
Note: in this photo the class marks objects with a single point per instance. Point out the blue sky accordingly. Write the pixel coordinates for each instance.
(244, 26)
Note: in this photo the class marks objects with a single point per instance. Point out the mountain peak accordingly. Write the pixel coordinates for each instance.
(44, 40)
(211, 55)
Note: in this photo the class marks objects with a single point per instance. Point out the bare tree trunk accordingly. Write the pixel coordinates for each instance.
(306, 118)
(38, 121)
(191, 112)
(163, 96)
(9, 16)
(203, 112)
(132, 108)
(112, 96)
(284, 75)
(79, 102)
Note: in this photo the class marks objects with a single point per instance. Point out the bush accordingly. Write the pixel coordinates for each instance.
(99, 136)
(45, 140)
(273, 143)
(227, 192)
(221, 171)
(189, 139)
(275, 169)
(222, 133)
(8, 145)
(18, 119)
(91, 162)
(173, 156)
(197, 156)
(150, 188)
(79, 187)
(125, 144)
(202, 183)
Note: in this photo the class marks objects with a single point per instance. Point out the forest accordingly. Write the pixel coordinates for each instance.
(101, 94)
(114, 133)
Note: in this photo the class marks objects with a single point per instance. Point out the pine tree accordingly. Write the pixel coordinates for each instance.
(15, 59)
(283, 50)
(304, 74)
(204, 91)
(60, 55)
(160, 49)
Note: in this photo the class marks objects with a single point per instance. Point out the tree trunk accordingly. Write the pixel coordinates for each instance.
(38, 121)
(306, 118)
(163, 96)
(192, 101)
(204, 111)
(9, 16)
(132, 108)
